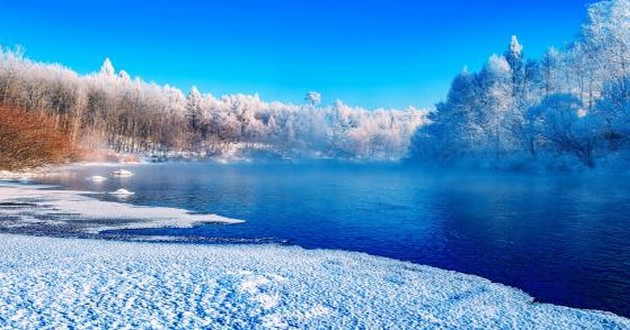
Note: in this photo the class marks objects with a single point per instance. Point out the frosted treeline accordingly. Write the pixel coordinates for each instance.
(110, 109)
(570, 107)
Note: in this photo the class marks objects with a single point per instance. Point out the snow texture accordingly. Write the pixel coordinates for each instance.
(68, 283)
(26, 205)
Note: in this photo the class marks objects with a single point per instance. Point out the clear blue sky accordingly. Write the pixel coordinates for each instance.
(390, 53)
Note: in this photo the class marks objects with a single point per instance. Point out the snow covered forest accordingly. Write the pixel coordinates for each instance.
(109, 109)
(568, 109)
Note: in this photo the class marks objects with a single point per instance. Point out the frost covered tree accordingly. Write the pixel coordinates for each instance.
(456, 123)
(516, 63)
(550, 71)
(107, 69)
(500, 105)
(194, 109)
(572, 101)
(313, 98)
(607, 35)
(566, 126)
(124, 77)
(613, 110)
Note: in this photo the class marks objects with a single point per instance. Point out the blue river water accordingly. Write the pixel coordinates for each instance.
(563, 239)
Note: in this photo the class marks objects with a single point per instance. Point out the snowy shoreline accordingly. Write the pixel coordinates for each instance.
(60, 282)
(23, 206)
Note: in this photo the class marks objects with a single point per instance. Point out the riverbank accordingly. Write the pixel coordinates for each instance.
(28, 174)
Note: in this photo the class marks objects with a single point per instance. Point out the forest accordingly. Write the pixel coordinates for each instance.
(566, 110)
(108, 110)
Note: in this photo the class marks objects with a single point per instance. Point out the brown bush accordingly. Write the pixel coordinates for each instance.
(30, 139)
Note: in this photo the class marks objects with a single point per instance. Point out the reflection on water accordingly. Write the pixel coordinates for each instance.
(563, 239)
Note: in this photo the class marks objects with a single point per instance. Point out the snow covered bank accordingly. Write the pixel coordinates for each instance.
(71, 211)
(105, 284)
(29, 174)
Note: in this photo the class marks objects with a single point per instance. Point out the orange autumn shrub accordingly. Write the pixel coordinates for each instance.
(30, 139)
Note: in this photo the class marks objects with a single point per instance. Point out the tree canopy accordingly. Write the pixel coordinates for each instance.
(570, 103)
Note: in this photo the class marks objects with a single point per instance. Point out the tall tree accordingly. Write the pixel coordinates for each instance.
(107, 69)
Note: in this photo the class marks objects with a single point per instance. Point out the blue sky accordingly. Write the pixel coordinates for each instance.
(389, 53)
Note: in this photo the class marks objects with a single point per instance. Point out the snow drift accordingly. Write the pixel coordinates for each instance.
(53, 282)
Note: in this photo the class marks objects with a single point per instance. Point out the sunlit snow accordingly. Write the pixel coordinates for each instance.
(105, 284)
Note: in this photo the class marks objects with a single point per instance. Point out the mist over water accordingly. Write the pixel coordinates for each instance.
(562, 239)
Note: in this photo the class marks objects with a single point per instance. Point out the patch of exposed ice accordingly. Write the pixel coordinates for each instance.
(20, 202)
(68, 283)
(121, 173)
(122, 192)
(97, 178)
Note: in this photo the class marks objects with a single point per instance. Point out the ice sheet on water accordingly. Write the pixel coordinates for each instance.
(105, 284)
(81, 212)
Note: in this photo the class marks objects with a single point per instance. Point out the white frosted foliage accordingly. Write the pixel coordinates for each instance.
(515, 46)
(313, 98)
(107, 69)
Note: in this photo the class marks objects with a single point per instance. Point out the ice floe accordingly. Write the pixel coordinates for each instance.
(68, 283)
(122, 192)
(121, 173)
(80, 212)
(97, 178)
